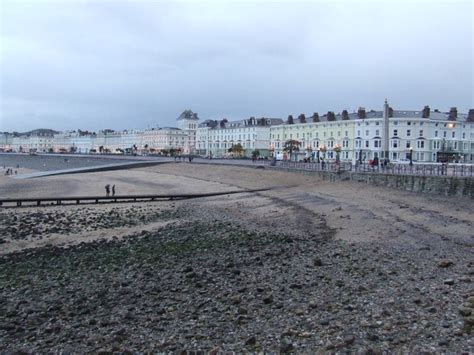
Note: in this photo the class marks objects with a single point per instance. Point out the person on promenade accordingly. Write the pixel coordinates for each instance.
(113, 190)
(107, 190)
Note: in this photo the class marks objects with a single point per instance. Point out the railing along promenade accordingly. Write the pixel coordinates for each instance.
(456, 170)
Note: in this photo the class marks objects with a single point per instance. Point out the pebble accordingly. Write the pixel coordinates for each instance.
(207, 292)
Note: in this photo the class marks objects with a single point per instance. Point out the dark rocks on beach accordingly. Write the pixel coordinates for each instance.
(445, 263)
(214, 286)
(286, 345)
(19, 225)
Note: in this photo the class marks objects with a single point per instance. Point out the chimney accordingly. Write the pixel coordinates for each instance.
(453, 114)
(315, 117)
(390, 112)
(470, 115)
(426, 112)
(345, 115)
(361, 113)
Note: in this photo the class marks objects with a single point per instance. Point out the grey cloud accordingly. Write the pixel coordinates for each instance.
(100, 64)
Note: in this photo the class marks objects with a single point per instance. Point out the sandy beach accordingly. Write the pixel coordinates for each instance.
(309, 265)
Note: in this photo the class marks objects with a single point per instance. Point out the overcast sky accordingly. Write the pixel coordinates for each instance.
(123, 64)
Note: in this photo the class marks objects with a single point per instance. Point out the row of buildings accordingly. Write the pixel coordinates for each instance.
(425, 136)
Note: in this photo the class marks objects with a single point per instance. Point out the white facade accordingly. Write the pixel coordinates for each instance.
(425, 135)
(215, 138)
(361, 137)
(33, 143)
(6, 141)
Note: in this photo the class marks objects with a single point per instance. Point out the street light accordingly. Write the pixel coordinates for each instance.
(271, 149)
(411, 156)
(322, 148)
(308, 152)
(337, 149)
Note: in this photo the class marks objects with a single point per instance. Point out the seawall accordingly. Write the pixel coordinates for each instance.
(439, 185)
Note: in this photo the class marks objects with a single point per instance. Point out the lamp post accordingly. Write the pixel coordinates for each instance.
(360, 156)
(317, 154)
(322, 149)
(337, 149)
(271, 149)
(411, 156)
(308, 152)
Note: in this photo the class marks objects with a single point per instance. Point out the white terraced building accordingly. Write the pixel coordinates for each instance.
(214, 138)
(6, 140)
(34, 142)
(430, 136)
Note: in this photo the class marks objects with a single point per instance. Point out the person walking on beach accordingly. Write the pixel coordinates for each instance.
(113, 190)
(107, 190)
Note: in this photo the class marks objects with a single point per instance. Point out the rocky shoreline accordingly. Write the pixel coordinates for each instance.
(212, 282)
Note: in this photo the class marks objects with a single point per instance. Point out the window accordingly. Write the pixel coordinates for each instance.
(421, 133)
(444, 134)
(464, 135)
(358, 133)
(367, 144)
(395, 132)
(453, 134)
(395, 143)
(408, 133)
(436, 133)
(420, 144)
(409, 123)
(408, 144)
(377, 132)
(367, 133)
